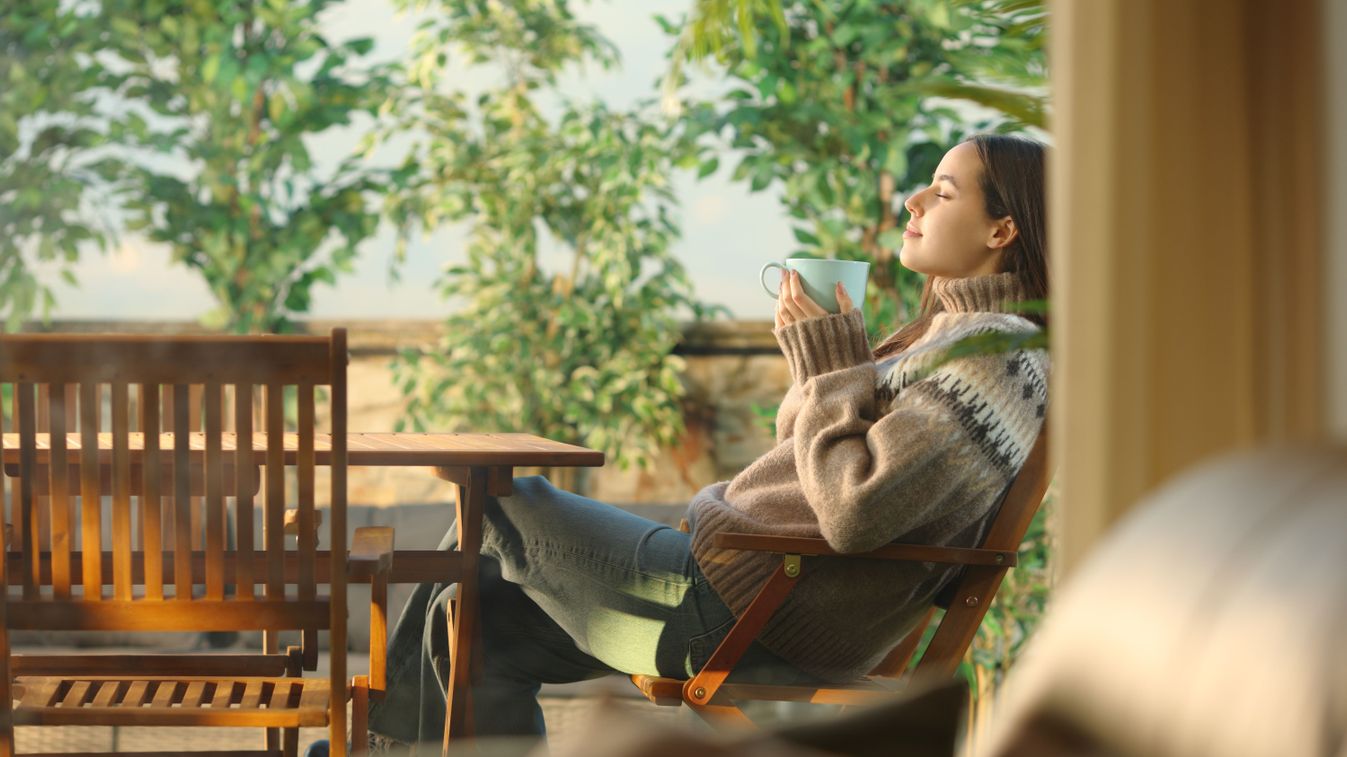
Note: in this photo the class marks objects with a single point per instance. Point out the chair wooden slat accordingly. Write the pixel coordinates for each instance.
(62, 528)
(223, 695)
(307, 537)
(196, 691)
(244, 472)
(41, 693)
(136, 694)
(274, 531)
(338, 358)
(105, 694)
(167, 693)
(151, 509)
(77, 695)
(42, 504)
(166, 505)
(121, 493)
(215, 516)
(43, 407)
(182, 501)
(25, 519)
(91, 494)
(252, 695)
(281, 696)
(196, 506)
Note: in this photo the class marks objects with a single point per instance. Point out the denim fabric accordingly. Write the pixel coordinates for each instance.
(570, 589)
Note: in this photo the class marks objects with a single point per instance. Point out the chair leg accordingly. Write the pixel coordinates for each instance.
(291, 745)
(359, 717)
(700, 691)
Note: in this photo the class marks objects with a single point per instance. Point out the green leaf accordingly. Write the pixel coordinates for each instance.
(895, 161)
(762, 176)
(210, 69)
(361, 45)
(276, 107)
(805, 236)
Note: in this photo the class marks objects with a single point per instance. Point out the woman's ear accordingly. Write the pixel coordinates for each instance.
(1003, 233)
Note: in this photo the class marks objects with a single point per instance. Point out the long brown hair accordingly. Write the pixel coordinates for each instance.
(1012, 185)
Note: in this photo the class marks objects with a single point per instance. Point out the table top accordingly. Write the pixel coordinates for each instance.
(381, 449)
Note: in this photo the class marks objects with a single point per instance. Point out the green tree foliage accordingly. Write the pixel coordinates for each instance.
(581, 353)
(1006, 76)
(48, 150)
(831, 102)
(1005, 69)
(235, 88)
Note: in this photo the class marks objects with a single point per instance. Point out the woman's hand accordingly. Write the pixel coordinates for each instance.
(792, 304)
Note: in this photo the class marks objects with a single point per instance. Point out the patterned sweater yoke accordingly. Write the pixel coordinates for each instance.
(917, 448)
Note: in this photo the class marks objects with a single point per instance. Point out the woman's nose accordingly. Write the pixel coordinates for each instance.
(911, 203)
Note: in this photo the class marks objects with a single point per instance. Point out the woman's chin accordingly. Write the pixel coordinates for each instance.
(909, 260)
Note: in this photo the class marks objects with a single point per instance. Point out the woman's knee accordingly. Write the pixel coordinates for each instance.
(514, 518)
(526, 491)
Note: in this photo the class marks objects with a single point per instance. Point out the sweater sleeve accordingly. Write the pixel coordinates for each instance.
(871, 479)
(814, 346)
(786, 412)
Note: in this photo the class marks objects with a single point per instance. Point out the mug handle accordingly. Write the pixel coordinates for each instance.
(761, 280)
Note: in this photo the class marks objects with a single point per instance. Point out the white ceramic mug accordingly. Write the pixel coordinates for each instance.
(820, 279)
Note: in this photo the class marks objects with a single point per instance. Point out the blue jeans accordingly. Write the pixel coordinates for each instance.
(571, 589)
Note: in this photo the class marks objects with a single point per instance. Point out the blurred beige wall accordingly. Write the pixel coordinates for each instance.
(1335, 283)
(1187, 211)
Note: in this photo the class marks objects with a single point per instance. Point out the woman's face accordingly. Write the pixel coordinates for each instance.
(949, 233)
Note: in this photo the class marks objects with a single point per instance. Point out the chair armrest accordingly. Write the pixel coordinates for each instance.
(797, 545)
(371, 559)
(371, 552)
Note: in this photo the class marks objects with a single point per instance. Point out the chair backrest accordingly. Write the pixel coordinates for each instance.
(114, 468)
(167, 421)
(976, 585)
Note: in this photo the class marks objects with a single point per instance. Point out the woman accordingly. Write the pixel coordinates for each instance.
(870, 448)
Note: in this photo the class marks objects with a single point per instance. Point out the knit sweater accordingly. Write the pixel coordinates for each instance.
(910, 449)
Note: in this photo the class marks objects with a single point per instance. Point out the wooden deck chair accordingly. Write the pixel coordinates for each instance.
(63, 572)
(710, 695)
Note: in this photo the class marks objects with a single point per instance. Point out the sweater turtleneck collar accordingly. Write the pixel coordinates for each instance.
(990, 293)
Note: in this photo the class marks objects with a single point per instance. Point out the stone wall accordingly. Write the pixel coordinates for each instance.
(731, 366)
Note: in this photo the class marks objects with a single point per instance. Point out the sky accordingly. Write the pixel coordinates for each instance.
(728, 233)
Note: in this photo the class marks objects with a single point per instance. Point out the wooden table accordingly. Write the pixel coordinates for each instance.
(477, 464)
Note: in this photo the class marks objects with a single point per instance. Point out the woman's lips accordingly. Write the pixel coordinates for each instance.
(908, 233)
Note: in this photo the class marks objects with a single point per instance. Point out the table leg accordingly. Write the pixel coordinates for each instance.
(471, 502)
